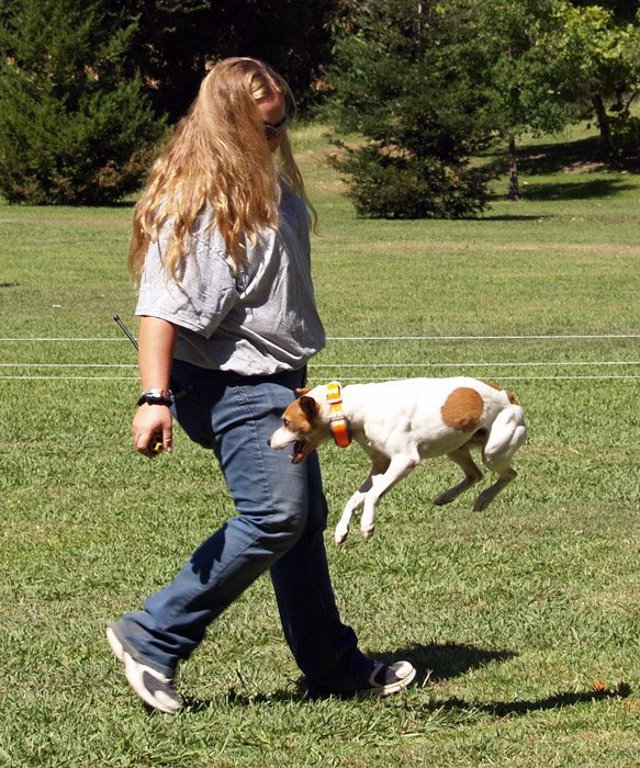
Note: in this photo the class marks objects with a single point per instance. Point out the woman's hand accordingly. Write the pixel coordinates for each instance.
(152, 430)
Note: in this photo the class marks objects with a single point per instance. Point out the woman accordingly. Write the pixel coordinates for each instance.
(228, 321)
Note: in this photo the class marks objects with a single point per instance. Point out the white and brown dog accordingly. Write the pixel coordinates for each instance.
(399, 423)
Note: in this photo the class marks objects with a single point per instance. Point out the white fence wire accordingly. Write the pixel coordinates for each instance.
(38, 371)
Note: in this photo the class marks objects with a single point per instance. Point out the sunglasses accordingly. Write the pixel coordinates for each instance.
(275, 129)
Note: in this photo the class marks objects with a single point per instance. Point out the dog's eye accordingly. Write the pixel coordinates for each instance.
(285, 422)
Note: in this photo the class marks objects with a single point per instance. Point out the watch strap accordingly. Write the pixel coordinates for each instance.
(157, 397)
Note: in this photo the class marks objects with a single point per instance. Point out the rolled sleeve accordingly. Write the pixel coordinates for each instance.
(199, 299)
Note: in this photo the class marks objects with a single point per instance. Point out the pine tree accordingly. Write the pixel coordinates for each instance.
(409, 78)
(73, 128)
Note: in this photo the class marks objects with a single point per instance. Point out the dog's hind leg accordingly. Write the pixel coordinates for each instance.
(472, 475)
(357, 500)
(508, 433)
(489, 494)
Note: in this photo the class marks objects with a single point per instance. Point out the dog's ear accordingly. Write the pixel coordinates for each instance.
(309, 407)
(303, 390)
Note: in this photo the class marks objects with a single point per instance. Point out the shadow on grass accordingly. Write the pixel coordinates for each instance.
(575, 190)
(436, 663)
(235, 698)
(515, 217)
(554, 191)
(442, 662)
(517, 707)
(581, 156)
(555, 157)
(578, 188)
(543, 159)
(439, 662)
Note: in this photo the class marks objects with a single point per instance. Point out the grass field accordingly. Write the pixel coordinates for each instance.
(523, 620)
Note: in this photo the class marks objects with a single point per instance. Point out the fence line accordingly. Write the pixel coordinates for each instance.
(551, 337)
(476, 365)
(61, 338)
(68, 365)
(529, 364)
(352, 366)
(558, 337)
(620, 377)
(69, 378)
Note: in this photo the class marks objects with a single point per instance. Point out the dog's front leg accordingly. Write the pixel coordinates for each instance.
(399, 467)
(357, 500)
(352, 506)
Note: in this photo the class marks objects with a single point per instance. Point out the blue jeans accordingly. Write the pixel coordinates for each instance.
(281, 516)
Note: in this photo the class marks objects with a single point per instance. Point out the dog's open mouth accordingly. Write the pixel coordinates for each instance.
(301, 449)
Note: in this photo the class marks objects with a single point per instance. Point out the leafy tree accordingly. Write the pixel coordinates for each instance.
(623, 11)
(552, 63)
(409, 78)
(429, 84)
(597, 59)
(73, 128)
(525, 96)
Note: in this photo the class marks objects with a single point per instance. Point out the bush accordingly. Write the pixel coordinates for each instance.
(626, 136)
(383, 186)
(73, 129)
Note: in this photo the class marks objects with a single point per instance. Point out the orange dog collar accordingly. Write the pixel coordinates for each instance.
(338, 422)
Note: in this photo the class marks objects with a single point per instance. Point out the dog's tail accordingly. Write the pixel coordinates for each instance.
(508, 432)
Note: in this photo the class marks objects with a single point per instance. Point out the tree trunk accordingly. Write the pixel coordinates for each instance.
(514, 186)
(603, 125)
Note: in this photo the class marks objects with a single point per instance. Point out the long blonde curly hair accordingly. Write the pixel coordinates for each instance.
(217, 158)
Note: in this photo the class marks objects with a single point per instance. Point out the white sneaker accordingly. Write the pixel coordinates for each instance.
(388, 678)
(153, 687)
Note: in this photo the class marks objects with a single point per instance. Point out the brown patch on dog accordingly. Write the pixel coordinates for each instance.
(463, 409)
(510, 395)
(309, 407)
(299, 416)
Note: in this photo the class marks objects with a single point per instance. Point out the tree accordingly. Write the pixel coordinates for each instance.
(552, 63)
(409, 78)
(430, 84)
(624, 11)
(174, 42)
(525, 95)
(597, 60)
(73, 128)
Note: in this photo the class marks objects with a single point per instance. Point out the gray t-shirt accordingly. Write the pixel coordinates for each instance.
(261, 320)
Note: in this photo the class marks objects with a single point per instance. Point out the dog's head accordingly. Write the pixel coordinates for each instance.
(303, 425)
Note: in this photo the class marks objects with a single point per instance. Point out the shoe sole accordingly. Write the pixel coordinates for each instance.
(132, 673)
(115, 645)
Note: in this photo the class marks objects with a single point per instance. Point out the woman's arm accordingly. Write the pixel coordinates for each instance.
(153, 423)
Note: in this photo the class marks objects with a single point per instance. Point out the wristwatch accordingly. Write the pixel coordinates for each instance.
(157, 397)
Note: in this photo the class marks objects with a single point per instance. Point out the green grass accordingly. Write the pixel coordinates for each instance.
(523, 620)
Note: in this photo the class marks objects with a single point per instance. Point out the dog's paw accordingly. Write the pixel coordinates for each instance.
(367, 532)
(483, 501)
(340, 534)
